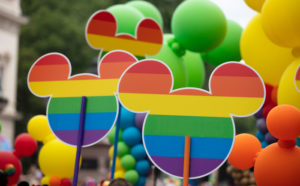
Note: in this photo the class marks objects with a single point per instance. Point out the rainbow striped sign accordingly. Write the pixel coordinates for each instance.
(297, 79)
(235, 89)
(101, 33)
(50, 76)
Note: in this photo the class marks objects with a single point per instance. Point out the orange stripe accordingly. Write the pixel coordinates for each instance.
(113, 70)
(146, 83)
(102, 28)
(150, 35)
(237, 86)
(235, 69)
(49, 72)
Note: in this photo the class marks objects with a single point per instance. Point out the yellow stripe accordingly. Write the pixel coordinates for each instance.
(210, 106)
(75, 88)
(138, 48)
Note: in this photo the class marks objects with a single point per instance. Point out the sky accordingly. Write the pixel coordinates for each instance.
(236, 10)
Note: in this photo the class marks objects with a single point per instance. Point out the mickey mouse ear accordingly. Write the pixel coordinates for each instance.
(244, 151)
(283, 122)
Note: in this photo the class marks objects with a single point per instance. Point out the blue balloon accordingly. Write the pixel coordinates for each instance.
(260, 136)
(127, 118)
(193, 182)
(132, 136)
(261, 125)
(138, 152)
(141, 181)
(298, 142)
(264, 144)
(142, 167)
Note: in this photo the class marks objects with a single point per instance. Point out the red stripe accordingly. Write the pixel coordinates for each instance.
(150, 35)
(149, 23)
(49, 73)
(149, 67)
(53, 59)
(104, 16)
(113, 70)
(298, 74)
(234, 69)
(100, 27)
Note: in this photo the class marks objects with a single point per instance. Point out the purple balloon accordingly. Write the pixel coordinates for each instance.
(269, 138)
(261, 125)
(259, 114)
(139, 120)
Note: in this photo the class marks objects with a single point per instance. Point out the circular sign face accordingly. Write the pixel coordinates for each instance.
(235, 89)
(50, 77)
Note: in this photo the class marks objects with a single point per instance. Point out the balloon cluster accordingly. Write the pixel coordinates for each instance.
(131, 162)
(241, 177)
(278, 163)
(10, 162)
(56, 159)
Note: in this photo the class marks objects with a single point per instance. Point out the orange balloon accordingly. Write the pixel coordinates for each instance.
(283, 122)
(244, 151)
(54, 181)
(278, 166)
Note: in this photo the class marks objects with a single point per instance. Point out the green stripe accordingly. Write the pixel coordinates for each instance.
(73, 104)
(166, 125)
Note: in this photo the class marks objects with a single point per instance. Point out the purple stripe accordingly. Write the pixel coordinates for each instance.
(89, 136)
(174, 165)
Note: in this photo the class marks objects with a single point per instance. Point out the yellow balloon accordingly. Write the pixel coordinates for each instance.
(268, 59)
(45, 180)
(119, 174)
(281, 22)
(118, 164)
(57, 159)
(111, 152)
(38, 127)
(255, 4)
(287, 92)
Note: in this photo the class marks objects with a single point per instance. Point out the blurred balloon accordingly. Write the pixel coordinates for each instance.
(54, 181)
(281, 22)
(255, 4)
(195, 69)
(229, 49)
(269, 138)
(127, 118)
(57, 159)
(123, 149)
(132, 136)
(264, 144)
(132, 176)
(198, 26)
(111, 135)
(127, 18)
(174, 62)
(128, 162)
(261, 125)
(260, 136)
(118, 165)
(65, 182)
(141, 181)
(142, 167)
(138, 152)
(245, 146)
(139, 120)
(10, 158)
(259, 114)
(148, 10)
(38, 127)
(261, 54)
(287, 92)
(119, 174)
(45, 180)
(267, 108)
(5, 144)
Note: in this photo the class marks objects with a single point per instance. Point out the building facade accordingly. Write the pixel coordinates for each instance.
(10, 21)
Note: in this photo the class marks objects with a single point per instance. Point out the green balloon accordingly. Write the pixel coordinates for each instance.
(128, 162)
(127, 18)
(132, 176)
(148, 10)
(111, 135)
(173, 61)
(199, 25)
(123, 149)
(195, 69)
(229, 50)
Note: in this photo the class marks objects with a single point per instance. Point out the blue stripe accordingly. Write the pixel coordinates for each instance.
(173, 146)
(93, 121)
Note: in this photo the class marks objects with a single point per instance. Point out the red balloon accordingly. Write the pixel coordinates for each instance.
(65, 182)
(9, 158)
(267, 108)
(25, 145)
